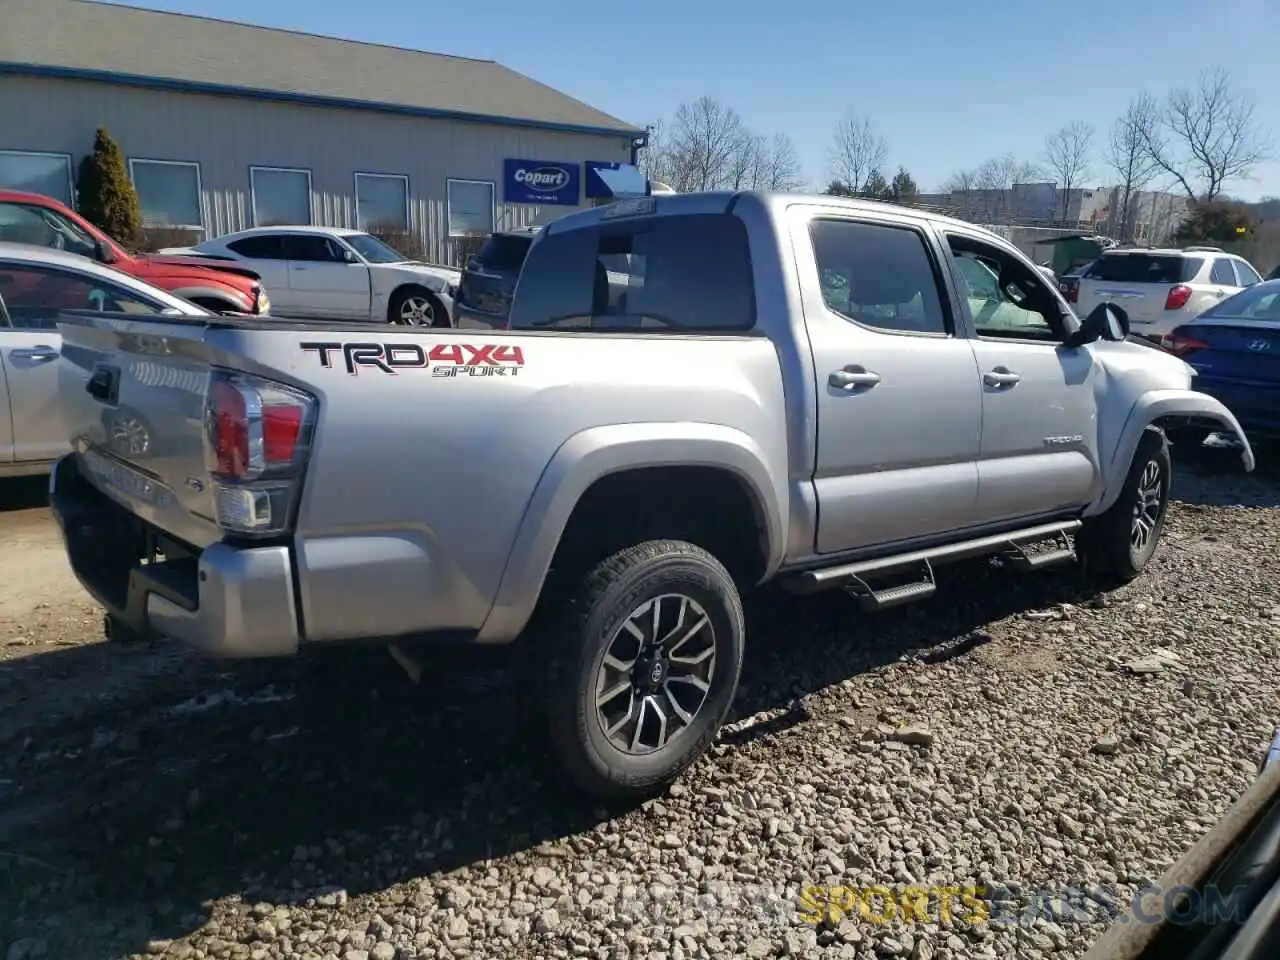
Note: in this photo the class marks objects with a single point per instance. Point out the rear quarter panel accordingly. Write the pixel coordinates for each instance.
(420, 477)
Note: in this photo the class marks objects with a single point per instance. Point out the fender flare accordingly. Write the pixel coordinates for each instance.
(597, 452)
(1152, 406)
(230, 298)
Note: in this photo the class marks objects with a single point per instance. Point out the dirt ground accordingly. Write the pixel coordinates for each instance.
(156, 803)
(41, 604)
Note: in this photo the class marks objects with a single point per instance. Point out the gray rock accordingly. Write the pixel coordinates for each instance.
(383, 951)
(548, 921)
(1107, 745)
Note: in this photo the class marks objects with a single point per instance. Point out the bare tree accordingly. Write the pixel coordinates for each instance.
(779, 168)
(1066, 153)
(1126, 154)
(856, 150)
(1206, 137)
(960, 186)
(708, 140)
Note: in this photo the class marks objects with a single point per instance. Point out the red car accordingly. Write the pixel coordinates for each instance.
(214, 284)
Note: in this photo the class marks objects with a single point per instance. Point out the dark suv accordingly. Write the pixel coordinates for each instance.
(489, 279)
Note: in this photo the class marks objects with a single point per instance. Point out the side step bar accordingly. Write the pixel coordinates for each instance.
(854, 576)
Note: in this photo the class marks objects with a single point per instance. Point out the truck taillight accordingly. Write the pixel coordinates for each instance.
(1178, 297)
(257, 435)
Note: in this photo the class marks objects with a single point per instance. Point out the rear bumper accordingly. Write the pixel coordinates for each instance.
(225, 600)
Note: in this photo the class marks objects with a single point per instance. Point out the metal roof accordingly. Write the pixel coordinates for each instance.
(85, 40)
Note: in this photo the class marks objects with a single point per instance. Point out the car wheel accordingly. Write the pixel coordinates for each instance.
(644, 665)
(415, 307)
(1119, 543)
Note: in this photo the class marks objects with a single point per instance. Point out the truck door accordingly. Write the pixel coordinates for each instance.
(899, 405)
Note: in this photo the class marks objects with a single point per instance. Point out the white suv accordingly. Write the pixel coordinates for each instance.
(1161, 289)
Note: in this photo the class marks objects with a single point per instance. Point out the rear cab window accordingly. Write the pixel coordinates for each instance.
(1144, 268)
(681, 273)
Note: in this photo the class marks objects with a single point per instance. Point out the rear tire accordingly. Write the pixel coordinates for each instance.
(1117, 545)
(644, 664)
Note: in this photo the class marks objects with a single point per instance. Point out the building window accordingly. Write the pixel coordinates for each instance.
(168, 193)
(281, 196)
(382, 203)
(48, 174)
(470, 208)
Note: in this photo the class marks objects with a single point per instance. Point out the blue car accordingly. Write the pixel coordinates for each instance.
(1235, 349)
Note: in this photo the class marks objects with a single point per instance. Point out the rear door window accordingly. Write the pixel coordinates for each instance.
(264, 247)
(1144, 268)
(678, 274)
(312, 248)
(1245, 273)
(879, 276)
(1222, 273)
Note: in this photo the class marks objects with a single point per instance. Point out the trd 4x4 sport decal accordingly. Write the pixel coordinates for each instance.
(443, 359)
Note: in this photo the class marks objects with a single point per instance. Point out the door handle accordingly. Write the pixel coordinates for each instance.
(1001, 377)
(299, 268)
(853, 378)
(40, 353)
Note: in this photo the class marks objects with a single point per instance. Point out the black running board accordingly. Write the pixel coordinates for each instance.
(854, 576)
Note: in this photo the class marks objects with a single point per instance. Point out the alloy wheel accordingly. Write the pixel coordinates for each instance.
(656, 674)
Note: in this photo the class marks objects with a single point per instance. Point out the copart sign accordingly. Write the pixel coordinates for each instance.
(550, 182)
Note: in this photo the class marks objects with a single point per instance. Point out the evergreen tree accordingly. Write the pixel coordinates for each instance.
(106, 195)
(876, 187)
(904, 189)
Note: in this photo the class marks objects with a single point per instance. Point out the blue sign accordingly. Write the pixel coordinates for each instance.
(541, 182)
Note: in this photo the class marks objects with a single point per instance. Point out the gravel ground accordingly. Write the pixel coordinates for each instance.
(153, 803)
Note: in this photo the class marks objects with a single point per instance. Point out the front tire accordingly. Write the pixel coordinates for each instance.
(644, 665)
(416, 307)
(1118, 544)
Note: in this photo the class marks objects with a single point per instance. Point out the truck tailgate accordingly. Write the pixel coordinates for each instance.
(133, 397)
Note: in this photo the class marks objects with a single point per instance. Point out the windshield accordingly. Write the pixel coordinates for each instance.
(373, 249)
(1259, 302)
(1144, 268)
(41, 227)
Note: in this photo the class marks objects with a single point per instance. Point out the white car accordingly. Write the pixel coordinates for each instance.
(36, 283)
(1161, 289)
(337, 274)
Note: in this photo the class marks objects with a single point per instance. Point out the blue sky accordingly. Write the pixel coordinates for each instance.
(947, 84)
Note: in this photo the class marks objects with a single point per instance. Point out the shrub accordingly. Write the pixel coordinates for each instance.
(106, 197)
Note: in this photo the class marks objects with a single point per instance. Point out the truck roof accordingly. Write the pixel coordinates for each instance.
(719, 201)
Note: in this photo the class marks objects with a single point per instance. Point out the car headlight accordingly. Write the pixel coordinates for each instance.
(264, 302)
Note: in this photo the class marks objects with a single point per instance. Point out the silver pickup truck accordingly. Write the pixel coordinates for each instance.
(696, 394)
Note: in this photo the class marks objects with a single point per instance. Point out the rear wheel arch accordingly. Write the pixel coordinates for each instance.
(711, 486)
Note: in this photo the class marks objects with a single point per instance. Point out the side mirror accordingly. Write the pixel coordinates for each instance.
(103, 252)
(349, 257)
(1106, 321)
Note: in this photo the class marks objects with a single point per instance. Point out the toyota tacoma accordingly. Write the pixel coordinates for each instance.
(693, 395)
